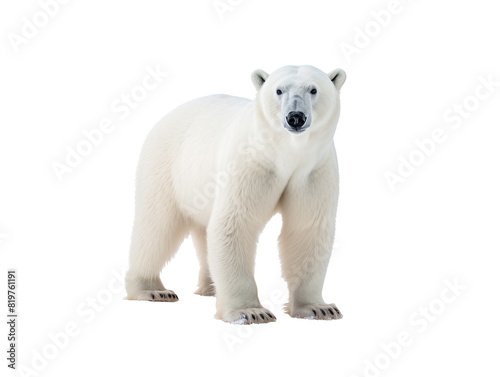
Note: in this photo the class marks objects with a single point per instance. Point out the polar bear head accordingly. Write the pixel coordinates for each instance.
(298, 98)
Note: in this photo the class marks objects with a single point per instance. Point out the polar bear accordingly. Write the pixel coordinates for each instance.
(219, 168)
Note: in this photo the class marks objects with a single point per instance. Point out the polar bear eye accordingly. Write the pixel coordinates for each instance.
(279, 92)
(314, 91)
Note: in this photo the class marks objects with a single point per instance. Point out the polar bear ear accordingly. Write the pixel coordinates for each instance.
(338, 77)
(258, 78)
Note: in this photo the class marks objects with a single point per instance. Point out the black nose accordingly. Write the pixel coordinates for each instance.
(296, 119)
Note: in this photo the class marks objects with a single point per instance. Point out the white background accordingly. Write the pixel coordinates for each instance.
(395, 249)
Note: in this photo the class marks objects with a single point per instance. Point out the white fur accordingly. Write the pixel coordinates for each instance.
(219, 167)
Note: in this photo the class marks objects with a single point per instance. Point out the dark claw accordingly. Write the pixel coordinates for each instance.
(253, 317)
(331, 311)
(323, 312)
(269, 314)
(314, 312)
(169, 295)
(152, 296)
(261, 315)
(175, 296)
(244, 316)
(162, 295)
(338, 311)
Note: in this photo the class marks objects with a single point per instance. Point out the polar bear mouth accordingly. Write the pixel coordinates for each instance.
(296, 131)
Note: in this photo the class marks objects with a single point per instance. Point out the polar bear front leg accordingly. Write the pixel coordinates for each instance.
(308, 209)
(239, 214)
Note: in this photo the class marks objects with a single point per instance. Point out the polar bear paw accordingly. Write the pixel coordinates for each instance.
(316, 311)
(162, 296)
(248, 316)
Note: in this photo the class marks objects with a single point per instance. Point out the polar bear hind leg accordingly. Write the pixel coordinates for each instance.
(159, 229)
(206, 285)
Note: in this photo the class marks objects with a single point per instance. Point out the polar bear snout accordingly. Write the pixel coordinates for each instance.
(296, 120)
(296, 110)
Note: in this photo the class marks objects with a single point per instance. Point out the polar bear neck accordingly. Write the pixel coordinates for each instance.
(274, 145)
